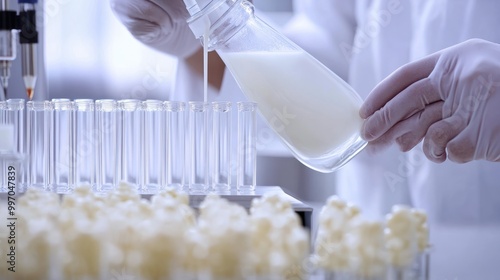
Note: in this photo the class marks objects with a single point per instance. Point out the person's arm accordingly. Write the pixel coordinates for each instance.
(162, 25)
(449, 99)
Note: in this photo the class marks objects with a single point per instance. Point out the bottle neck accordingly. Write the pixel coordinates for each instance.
(220, 20)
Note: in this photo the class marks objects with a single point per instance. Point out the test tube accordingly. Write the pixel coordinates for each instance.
(85, 142)
(198, 146)
(130, 143)
(175, 144)
(39, 122)
(154, 144)
(14, 114)
(221, 139)
(61, 155)
(247, 152)
(3, 108)
(107, 155)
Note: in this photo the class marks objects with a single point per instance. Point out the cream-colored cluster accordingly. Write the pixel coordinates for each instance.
(406, 235)
(87, 236)
(331, 248)
(220, 241)
(279, 244)
(348, 244)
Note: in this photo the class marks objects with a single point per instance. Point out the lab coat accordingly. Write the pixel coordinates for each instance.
(366, 41)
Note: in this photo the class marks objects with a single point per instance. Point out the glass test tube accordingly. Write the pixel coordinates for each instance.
(247, 152)
(39, 121)
(198, 146)
(14, 114)
(221, 139)
(175, 144)
(61, 160)
(85, 142)
(154, 144)
(107, 156)
(3, 108)
(130, 142)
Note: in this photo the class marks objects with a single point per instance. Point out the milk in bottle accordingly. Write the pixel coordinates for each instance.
(313, 110)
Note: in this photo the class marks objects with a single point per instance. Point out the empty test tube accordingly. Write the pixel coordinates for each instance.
(3, 108)
(154, 144)
(61, 156)
(85, 142)
(198, 146)
(14, 115)
(4, 141)
(130, 143)
(221, 139)
(107, 156)
(39, 122)
(175, 143)
(247, 151)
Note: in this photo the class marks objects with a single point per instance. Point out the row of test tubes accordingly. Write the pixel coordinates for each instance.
(149, 144)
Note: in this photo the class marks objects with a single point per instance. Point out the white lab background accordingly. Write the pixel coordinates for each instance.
(89, 54)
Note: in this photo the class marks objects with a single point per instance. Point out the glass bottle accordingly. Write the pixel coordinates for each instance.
(313, 110)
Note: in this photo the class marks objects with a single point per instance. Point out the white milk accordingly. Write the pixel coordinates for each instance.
(310, 107)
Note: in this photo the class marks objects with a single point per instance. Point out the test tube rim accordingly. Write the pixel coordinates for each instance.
(153, 105)
(246, 106)
(62, 104)
(106, 105)
(14, 104)
(221, 106)
(129, 105)
(83, 105)
(39, 105)
(198, 106)
(175, 106)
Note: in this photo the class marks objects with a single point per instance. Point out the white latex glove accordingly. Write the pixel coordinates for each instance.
(451, 99)
(160, 24)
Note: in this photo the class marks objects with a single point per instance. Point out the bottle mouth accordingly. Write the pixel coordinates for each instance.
(203, 21)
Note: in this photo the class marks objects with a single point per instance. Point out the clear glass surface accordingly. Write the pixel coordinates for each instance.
(198, 146)
(85, 142)
(131, 146)
(61, 156)
(247, 150)
(39, 122)
(154, 144)
(107, 143)
(221, 139)
(3, 109)
(176, 162)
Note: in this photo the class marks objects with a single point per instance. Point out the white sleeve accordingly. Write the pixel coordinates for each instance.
(322, 27)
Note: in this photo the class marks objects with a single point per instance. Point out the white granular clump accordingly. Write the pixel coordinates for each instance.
(422, 229)
(279, 244)
(331, 250)
(89, 236)
(401, 236)
(346, 244)
(366, 249)
(223, 229)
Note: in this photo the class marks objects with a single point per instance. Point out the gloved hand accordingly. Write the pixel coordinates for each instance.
(160, 24)
(451, 99)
